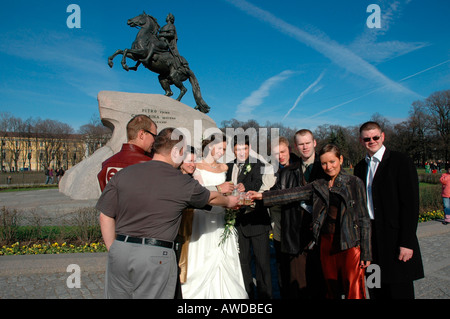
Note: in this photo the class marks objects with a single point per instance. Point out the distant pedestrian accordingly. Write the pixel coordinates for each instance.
(59, 174)
(47, 174)
(445, 181)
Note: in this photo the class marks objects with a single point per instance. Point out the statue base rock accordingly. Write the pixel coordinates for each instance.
(116, 109)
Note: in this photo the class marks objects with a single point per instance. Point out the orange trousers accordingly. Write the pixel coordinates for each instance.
(341, 270)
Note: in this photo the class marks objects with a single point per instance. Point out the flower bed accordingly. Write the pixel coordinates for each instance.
(51, 248)
(432, 215)
(61, 248)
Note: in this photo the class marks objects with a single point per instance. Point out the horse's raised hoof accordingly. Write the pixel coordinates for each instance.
(203, 109)
(126, 67)
(110, 63)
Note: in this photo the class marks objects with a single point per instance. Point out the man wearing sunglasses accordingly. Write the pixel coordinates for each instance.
(393, 201)
(141, 134)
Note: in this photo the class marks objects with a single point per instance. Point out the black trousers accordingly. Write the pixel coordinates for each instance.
(404, 290)
(260, 247)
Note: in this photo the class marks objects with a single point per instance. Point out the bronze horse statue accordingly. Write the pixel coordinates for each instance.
(156, 55)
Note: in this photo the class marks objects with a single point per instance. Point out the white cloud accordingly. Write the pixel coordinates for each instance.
(425, 70)
(78, 61)
(304, 92)
(377, 89)
(382, 51)
(338, 54)
(367, 45)
(246, 107)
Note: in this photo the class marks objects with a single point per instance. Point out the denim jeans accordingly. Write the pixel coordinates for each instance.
(446, 201)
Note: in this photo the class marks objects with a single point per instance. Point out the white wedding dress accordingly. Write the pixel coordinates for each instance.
(213, 271)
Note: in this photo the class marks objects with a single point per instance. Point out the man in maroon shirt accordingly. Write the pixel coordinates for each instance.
(141, 133)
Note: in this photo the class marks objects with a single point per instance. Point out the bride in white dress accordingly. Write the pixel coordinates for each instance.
(214, 270)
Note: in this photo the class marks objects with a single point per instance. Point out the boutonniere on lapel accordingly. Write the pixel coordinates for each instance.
(247, 169)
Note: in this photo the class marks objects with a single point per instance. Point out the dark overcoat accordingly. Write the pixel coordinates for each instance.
(395, 192)
(255, 222)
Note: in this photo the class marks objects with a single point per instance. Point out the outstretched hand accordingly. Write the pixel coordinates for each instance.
(226, 188)
(254, 195)
(240, 187)
(233, 202)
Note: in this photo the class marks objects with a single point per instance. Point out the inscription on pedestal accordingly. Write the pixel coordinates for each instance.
(158, 116)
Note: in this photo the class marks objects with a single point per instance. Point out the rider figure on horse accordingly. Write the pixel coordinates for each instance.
(156, 49)
(168, 34)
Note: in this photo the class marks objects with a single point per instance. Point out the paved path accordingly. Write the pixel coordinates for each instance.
(434, 239)
(45, 276)
(49, 204)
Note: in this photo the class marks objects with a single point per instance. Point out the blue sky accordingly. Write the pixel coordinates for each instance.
(301, 63)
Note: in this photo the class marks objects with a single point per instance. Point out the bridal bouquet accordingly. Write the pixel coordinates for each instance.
(230, 220)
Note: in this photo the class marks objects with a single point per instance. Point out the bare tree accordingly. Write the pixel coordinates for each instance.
(12, 140)
(95, 135)
(437, 106)
(4, 128)
(346, 138)
(420, 124)
(26, 138)
(52, 135)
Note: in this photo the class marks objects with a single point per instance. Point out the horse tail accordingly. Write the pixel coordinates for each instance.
(201, 104)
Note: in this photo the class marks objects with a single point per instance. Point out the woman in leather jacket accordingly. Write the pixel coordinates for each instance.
(341, 224)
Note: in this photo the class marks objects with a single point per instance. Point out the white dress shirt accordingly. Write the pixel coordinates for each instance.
(372, 165)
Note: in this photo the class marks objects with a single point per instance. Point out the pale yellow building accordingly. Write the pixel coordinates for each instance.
(35, 152)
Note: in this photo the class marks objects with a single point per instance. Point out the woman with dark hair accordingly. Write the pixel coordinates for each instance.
(341, 224)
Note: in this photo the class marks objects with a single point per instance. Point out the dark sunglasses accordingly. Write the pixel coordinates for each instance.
(375, 138)
(154, 135)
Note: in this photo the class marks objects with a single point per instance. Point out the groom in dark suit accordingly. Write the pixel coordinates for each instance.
(393, 201)
(253, 225)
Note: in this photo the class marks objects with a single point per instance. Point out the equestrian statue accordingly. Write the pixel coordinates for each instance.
(156, 49)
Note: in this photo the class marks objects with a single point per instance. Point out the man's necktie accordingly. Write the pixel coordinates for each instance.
(370, 175)
(308, 169)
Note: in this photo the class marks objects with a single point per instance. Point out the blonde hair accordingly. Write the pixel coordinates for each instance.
(303, 132)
